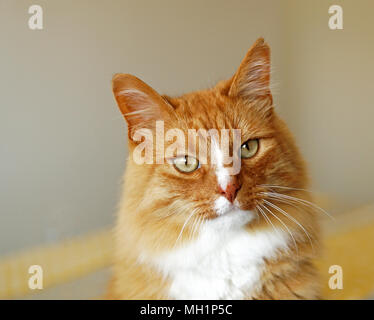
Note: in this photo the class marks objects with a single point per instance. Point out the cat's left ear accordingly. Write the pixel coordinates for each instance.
(141, 105)
(252, 80)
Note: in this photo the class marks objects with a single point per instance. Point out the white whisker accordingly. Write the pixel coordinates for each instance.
(303, 201)
(194, 226)
(184, 225)
(291, 218)
(284, 187)
(289, 231)
(267, 218)
(293, 204)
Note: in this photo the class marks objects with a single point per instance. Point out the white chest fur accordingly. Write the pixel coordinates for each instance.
(224, 262)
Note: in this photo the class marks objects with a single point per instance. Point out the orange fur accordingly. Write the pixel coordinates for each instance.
(157, 198)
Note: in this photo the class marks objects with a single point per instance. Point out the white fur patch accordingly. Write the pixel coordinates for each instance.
(224, 262)
(222, 205)
(223, 176)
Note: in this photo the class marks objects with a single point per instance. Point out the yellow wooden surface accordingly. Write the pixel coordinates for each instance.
(349, 243)
(61, 263)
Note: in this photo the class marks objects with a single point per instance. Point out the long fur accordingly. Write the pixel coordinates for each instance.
(176, 235)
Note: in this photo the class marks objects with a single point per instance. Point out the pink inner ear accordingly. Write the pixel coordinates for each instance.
(256, 80)
(138, 102)
(137, 108)
(252, 80)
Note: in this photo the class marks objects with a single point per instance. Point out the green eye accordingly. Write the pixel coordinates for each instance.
(249, 148)
(186, 164)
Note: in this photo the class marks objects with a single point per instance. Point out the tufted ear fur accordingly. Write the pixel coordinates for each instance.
(252, 79)
(139, 103)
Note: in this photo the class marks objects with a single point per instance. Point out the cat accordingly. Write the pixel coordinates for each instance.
(187, 230)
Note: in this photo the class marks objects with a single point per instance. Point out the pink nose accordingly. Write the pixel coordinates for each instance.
(231, 191)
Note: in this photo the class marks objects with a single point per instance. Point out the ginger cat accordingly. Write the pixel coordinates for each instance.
(189, 229)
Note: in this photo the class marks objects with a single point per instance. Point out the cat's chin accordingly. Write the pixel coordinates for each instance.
(230, 216)
(223, 207)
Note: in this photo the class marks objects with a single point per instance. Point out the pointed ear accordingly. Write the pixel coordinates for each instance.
(252, 79)
(139, 103)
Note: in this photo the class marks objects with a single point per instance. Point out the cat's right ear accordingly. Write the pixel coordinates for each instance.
(252, 80)
(141, 105)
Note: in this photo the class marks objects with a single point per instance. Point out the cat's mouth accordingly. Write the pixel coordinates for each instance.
(223, 206)
(230, 215)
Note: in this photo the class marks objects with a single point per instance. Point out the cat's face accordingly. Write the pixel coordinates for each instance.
(184, 185)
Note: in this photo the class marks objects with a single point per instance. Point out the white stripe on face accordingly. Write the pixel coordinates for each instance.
(222, 173)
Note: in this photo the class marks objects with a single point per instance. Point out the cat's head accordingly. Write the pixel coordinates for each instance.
(184, 187)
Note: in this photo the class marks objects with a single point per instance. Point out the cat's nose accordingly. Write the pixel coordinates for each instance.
(230, 191)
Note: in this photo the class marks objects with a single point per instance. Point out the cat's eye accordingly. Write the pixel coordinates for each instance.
(186, 164)
(249, 148)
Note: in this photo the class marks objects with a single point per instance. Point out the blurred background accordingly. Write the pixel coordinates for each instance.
(63, 140)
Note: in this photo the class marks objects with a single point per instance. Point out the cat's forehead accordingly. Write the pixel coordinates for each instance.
(209, 109)
(204, 110)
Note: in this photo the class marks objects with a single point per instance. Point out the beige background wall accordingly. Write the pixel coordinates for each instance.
(62, 140)
(327, 96)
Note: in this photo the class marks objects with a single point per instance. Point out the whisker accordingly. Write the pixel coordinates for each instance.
(289, 231)
(184, 225)
(165, 216)
(193, 226)
(201, 223)
(267, 218)
(293, 204)
(291, 218)
(303, 201)
(284, 187)
(197, 226)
